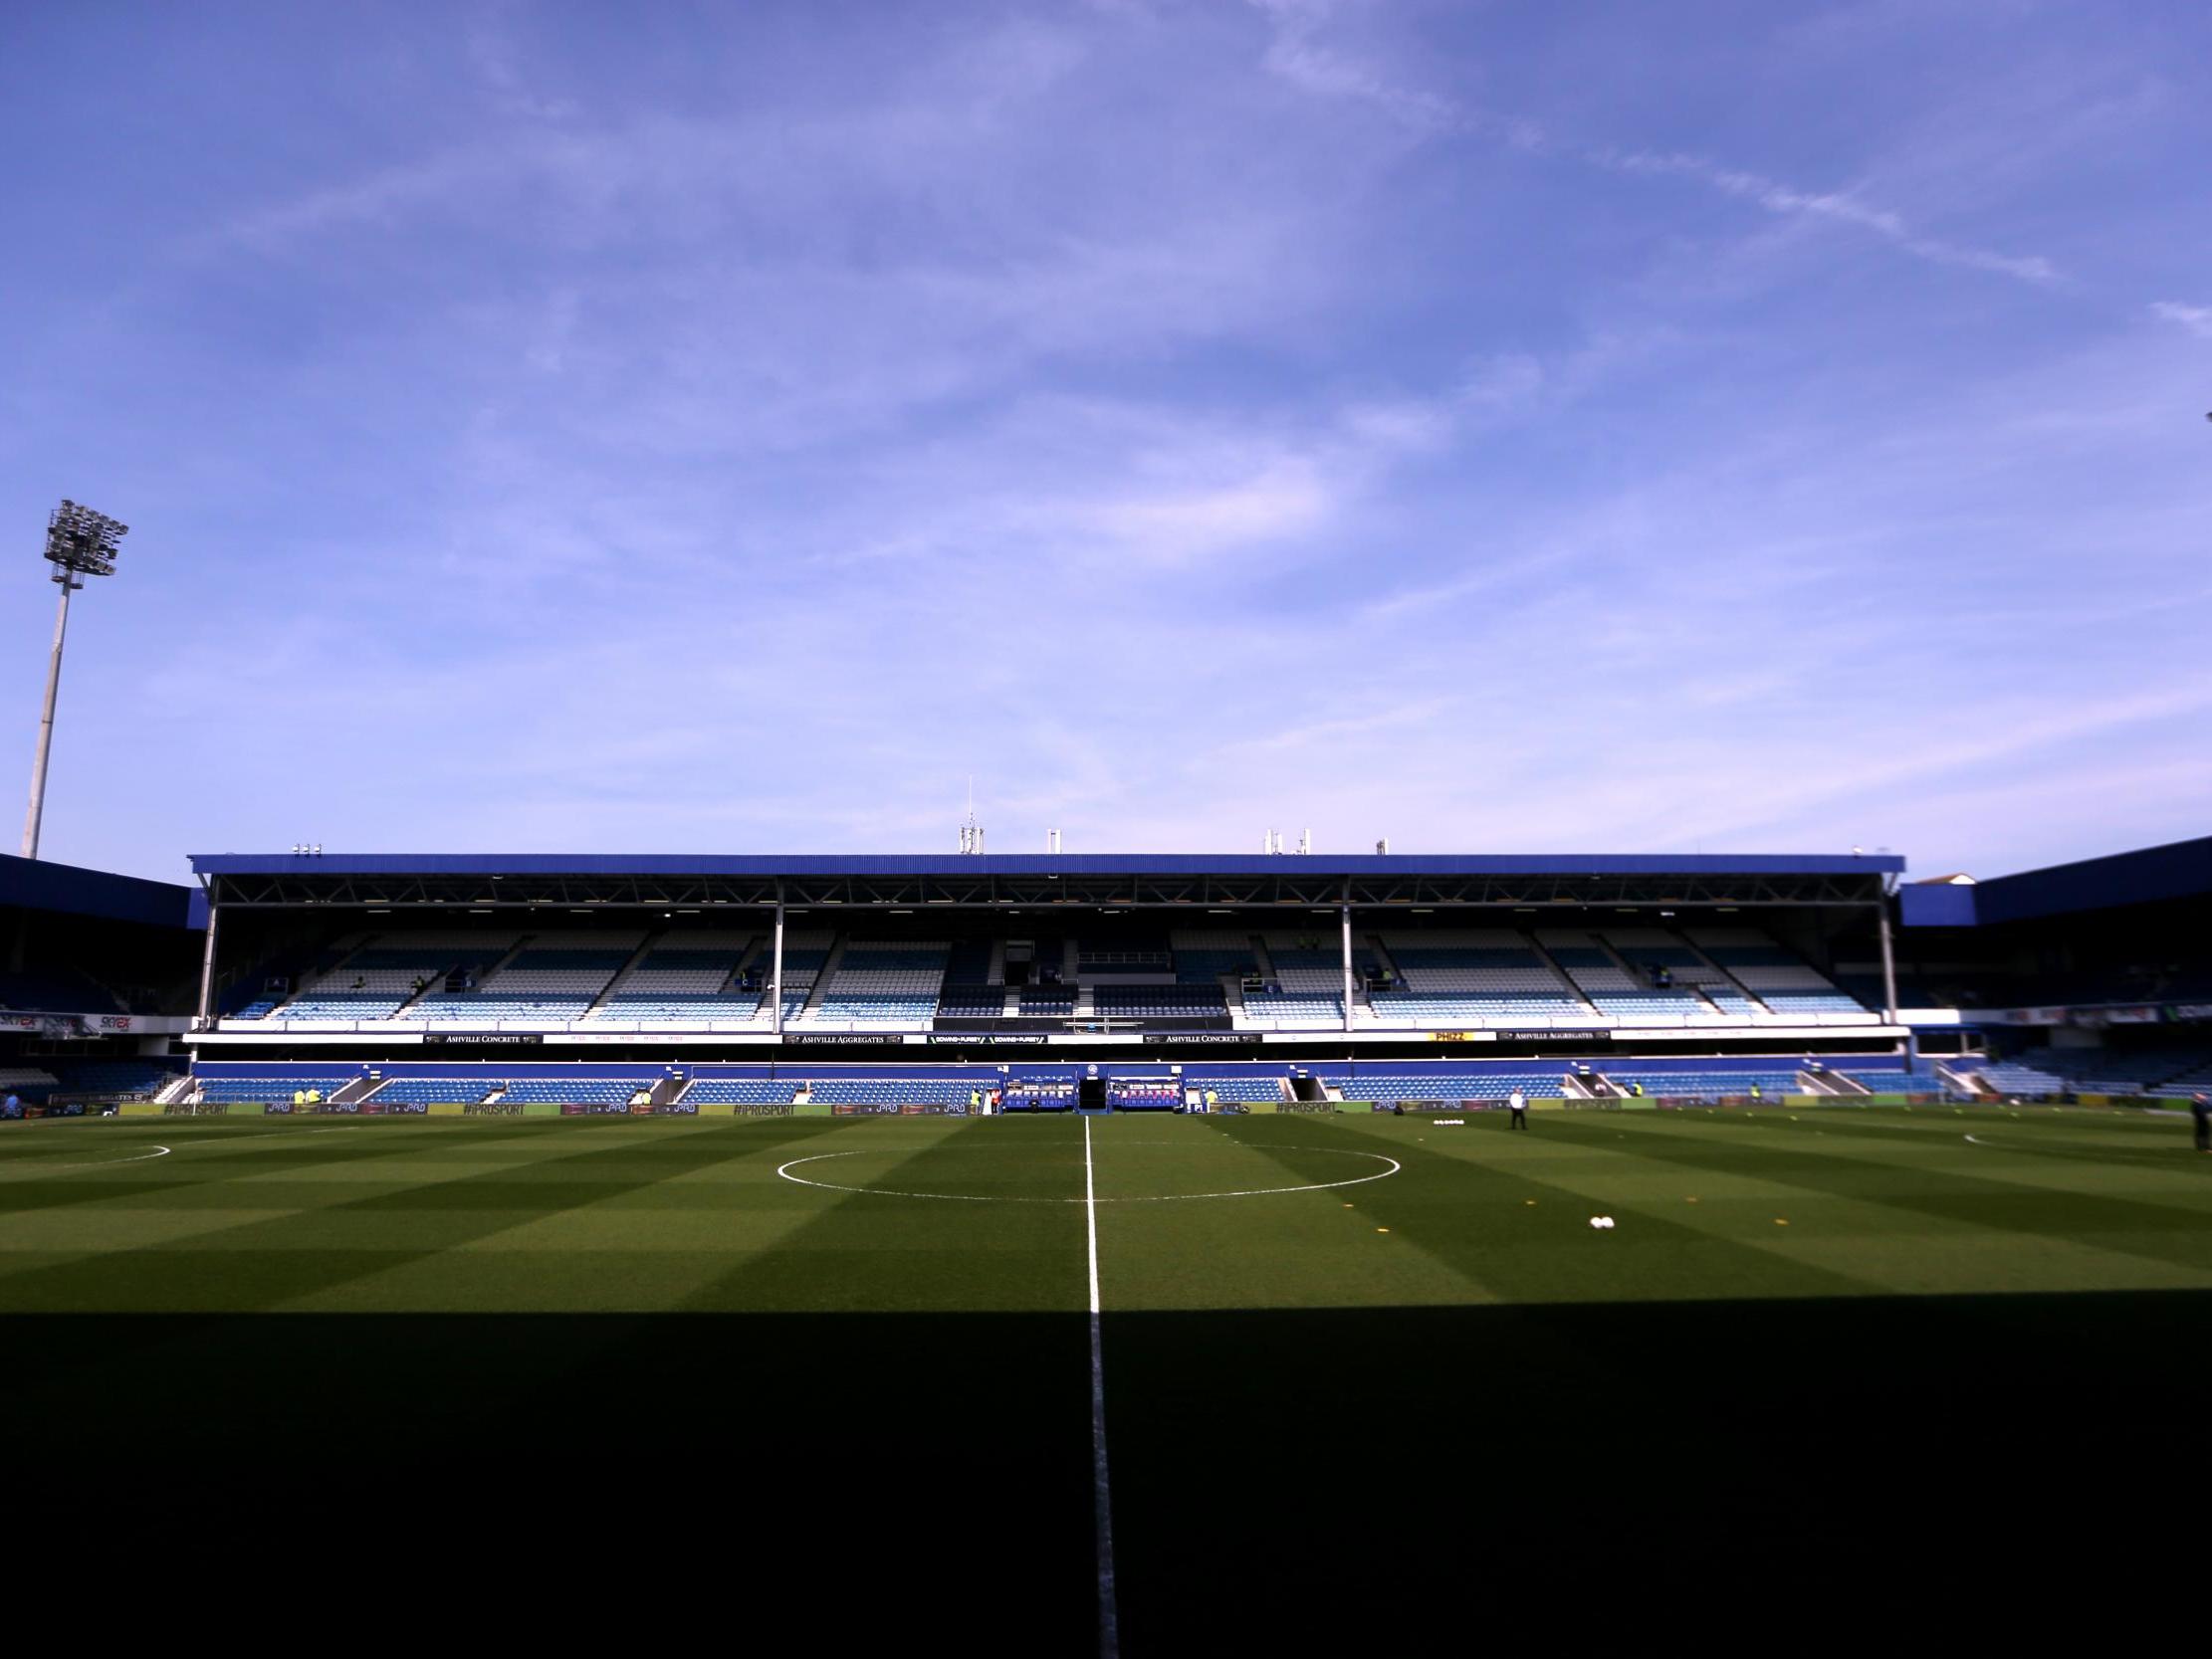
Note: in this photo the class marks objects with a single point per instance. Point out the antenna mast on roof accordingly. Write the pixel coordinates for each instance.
(970, 833)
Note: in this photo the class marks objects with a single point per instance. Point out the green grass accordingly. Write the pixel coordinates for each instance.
(1806, 1314)
(629, 1215)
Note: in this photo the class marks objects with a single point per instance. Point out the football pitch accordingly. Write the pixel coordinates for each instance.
(1334, 1351)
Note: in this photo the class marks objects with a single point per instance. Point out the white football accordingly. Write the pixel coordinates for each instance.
(1597, 1221)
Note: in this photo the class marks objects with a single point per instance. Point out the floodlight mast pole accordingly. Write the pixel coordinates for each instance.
(46, 720)
(78, 542)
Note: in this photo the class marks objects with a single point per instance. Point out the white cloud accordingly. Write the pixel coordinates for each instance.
(1837, 207)
(1296, 56)
(2196, 318)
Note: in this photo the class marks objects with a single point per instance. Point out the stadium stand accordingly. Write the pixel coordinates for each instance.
(1123, 953)
(116, 1079)
(1898, 1080)
(1168, 1002)
(2103, 1071)
(576, 1092)
(1204, 954)
(1776, 976)
(971, 1002)
(1679, 1084)
(1279, 1010)
(374, 982)
(1389, 1087)
(684, 984)
(968, 965)
(429, 1091)
(680, 978)
(57, 990)
(1242, 1090)
(1468, 975)
(732, 1091)
(273, 1088)
(898, 1090)
(1304, 970)
(2011, 1077)
(881, 982)
(552, 979)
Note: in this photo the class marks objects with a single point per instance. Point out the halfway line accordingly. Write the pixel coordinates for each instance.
(1109, 1621)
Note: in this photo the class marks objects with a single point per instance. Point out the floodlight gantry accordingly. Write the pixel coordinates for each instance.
(80, 542)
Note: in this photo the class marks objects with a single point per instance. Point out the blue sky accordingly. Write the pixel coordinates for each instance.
(1596, 427)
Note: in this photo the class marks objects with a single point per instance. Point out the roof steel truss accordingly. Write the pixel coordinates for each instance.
(1189, 894)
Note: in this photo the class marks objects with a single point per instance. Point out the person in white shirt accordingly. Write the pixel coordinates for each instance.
(1519, 1102)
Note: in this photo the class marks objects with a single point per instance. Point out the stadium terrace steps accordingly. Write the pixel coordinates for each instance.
(387, 974)
(1391, 1088)
(1893, 1081)
(57, 990)
(2102, 1071)
(1240, 1091)
(629, 967)
(885, 984)
(1404, 978)
(689, 982)
(820, 988)
(428, 1091)
(2011, 1079)
(1721, 1084)
(734, 1091)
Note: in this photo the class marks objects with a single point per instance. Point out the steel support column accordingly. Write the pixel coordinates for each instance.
(207, 960)
(1888, 967)
(1344, 913)
(776, 975)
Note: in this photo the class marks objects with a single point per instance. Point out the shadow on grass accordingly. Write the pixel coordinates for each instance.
(1395, 1479)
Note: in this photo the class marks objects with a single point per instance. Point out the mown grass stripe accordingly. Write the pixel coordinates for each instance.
(264, 1262)
(1948, 1193)
(1468, 1202)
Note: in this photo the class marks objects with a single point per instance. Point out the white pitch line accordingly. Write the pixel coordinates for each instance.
(104, 1162)
(784, 1170)
(1109, 1619)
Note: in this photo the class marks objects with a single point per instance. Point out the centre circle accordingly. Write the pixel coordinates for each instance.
(1390, 1167)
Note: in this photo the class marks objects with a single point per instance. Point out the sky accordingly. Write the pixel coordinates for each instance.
(1494, 427)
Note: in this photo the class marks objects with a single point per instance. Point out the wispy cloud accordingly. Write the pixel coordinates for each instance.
(1298, 54)
(733, 433)
(1833, 207)
(2196, 318)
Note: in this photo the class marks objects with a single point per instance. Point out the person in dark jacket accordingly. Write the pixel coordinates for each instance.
(2200, 1115)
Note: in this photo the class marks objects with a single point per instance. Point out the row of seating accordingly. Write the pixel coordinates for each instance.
(571, 1092)
(1487, 972)
(1463, 1086)
(1706, 1085)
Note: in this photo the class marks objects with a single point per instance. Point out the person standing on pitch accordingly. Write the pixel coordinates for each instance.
(1517, 1104)
(2200, 1113)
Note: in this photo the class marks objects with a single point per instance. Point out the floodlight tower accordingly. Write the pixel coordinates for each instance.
(79, 543)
